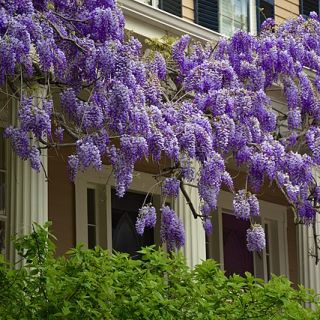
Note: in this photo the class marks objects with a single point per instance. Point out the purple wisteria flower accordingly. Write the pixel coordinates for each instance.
(256, 240)
(207, 226)
(34, 157)
(146, 219)
(268, 24)
(245, 205)
(171, 232)
(58, 132)
(171, 187)
(241, 205)
(254, 205)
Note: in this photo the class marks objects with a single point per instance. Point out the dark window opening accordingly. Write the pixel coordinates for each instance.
(91, 212)
(237, 258)
(265, 10)
(124, 215)
(307, 6)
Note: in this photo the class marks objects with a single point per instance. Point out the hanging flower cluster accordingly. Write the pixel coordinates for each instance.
(229, 85)
(113, 104)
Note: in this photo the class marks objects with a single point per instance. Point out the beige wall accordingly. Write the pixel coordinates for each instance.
(61, 205)
(188, 10)
(292, 248)
(285, 9)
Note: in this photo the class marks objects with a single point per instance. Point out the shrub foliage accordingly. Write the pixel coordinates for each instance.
(93, 284)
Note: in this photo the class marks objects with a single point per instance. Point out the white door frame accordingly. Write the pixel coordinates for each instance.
(268, 211)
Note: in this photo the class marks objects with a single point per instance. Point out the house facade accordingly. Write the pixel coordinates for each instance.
(88, 210)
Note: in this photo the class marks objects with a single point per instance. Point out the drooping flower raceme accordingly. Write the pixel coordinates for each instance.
(256, 240)
(172, 232)
(170, 187)
(146, 219)
(241, 205)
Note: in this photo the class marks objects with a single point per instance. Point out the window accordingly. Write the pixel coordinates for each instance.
(265, 9)
(3, 213)
(124, 215)
(106, 220)
(307, 6)
(223, 16)
(227, 244)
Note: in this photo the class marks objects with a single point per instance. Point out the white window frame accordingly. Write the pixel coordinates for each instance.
(153, 3)
(142, 182)
(5, 216)
(268, 212)
(253, 17)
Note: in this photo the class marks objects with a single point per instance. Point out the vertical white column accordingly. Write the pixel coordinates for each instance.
(195, 246)
(28, 199)
(253, 17)
(309, 272)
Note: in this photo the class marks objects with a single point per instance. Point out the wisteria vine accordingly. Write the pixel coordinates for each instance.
(115, 107)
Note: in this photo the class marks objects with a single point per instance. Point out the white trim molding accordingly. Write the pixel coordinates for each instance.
(309, 272)
(151, 22)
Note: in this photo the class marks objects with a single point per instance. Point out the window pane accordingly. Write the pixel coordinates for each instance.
(233, 16)
(2, 237)
(2, 193)
(91, 206)
(91, 237)
(91, 214)
(2, 150)
(226, 26)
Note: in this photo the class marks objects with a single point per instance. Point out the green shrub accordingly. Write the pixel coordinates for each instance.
(92, 284)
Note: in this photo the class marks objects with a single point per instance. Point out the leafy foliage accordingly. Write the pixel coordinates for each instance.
(93, 284)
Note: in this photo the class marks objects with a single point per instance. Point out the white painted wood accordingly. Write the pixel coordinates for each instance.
(309, 272)
(4, 120)
(194, 249)
(28, 202)
(253, 17)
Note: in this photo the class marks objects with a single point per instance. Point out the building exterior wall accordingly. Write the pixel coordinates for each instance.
(61, 202)
(188, 10)
(286, 9)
